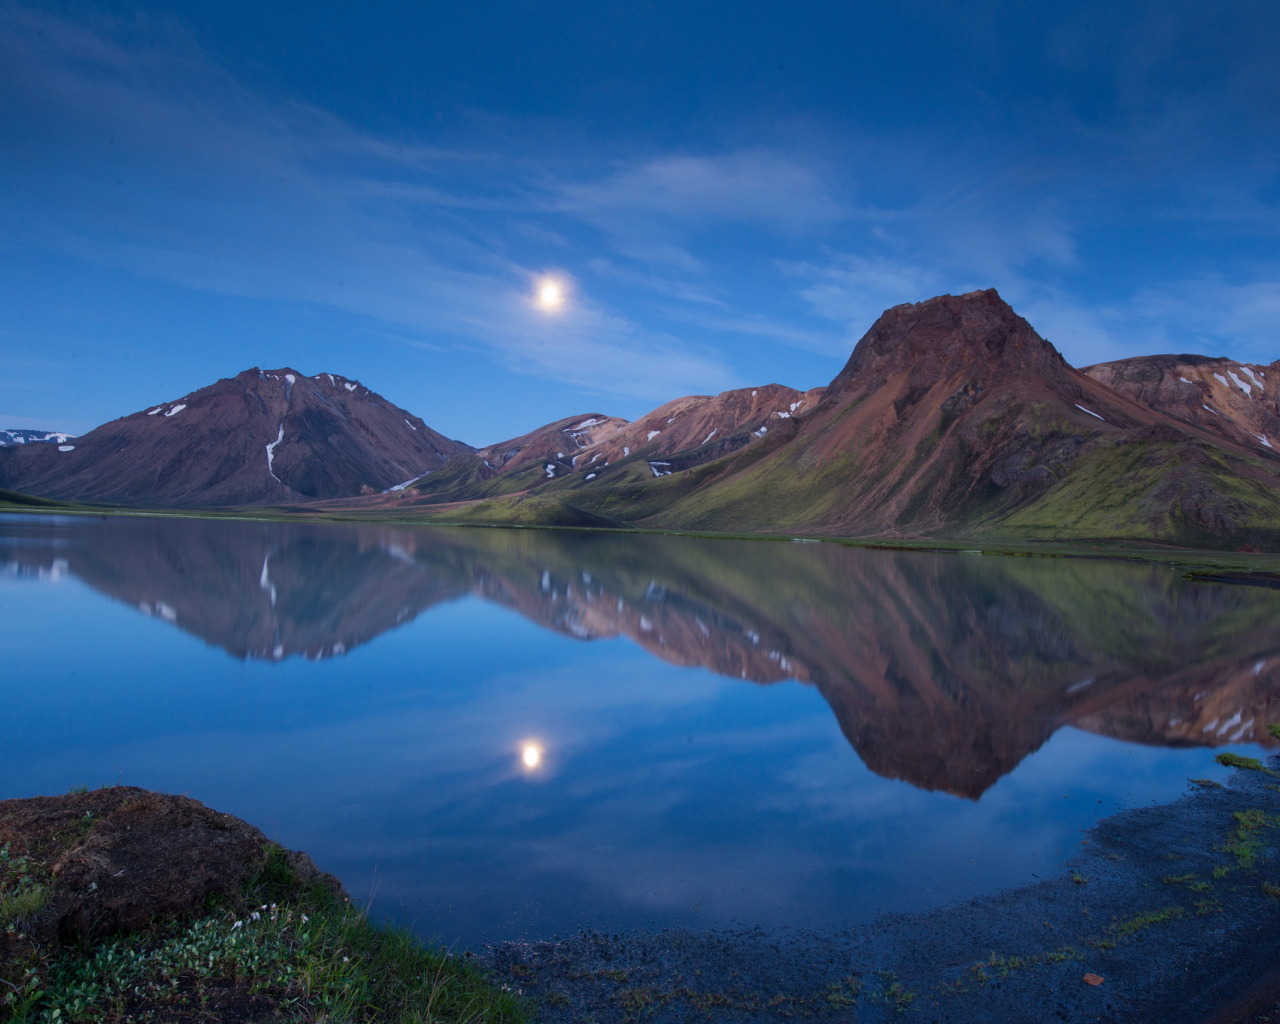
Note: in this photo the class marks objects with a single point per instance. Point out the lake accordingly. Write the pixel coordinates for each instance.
(516, 733)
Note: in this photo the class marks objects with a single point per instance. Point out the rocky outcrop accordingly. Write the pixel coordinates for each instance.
(120, 859)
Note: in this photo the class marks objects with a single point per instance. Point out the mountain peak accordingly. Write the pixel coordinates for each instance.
(944, 334)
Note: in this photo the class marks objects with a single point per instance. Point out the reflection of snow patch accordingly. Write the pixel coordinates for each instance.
(1231, 722)
(1089, 411)
(1259, 667)
(166, 613)
(66, 447)
(1081, 685)
(645, 625)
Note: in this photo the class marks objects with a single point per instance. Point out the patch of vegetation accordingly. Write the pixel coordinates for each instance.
(844, 994)
(1188, 881)
(1206, 783)
(1245, 842)
(894, 994)
(24, 889)
(1128, 929)
(300, 950)
(1230, 760)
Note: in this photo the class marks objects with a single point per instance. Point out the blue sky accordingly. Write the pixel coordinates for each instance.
(729, 193)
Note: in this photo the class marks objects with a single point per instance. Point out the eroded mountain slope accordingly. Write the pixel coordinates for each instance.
(264, 436)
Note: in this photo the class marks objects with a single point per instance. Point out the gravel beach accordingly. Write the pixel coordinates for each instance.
(1168, 914)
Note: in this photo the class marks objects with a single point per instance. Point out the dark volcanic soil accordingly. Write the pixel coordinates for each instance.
(1140, 907)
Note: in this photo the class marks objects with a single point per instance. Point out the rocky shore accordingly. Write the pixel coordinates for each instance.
(1168, 915)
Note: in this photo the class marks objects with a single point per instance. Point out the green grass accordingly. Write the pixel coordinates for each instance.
(306, 953)
(1128, 929)
(1136, 491)
(1230, 760)
(1245, 841)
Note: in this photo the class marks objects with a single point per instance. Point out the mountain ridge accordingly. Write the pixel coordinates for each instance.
(951, 418)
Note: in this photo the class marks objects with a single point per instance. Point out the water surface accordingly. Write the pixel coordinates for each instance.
(728, 731)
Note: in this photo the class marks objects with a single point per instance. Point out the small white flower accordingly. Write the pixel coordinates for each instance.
(236, 925)
(345, 960)
(256, 916)
(305, 919)
(263, 907)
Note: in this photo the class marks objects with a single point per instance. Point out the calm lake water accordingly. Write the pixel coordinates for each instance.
(727, 732)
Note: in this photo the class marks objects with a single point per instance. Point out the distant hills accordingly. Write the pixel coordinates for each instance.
(8, 437)
(952, 417)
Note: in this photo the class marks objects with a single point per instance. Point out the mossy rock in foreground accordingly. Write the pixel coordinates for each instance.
(125, 905)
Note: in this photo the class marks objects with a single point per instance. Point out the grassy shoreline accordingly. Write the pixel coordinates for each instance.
(281, 946)
(1194, 562)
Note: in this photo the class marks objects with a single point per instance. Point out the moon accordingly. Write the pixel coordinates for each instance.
(550, 295)
(532, 756)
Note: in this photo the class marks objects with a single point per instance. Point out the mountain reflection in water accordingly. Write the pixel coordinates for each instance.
(943, 670)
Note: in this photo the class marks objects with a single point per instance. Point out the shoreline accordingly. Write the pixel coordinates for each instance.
(1204, 565)
(1175, 907)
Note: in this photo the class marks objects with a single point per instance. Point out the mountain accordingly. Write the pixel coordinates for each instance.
(512, 466)
(700, 428)
(8, 437)
(1236, 401)
(942, 670)
(264, 436)
(952, 417)
(579, 449)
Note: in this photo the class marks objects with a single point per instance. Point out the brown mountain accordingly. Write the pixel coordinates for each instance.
(1236, 401)
(953, 417)
(682, 433)
(710, 425)
(273, 436)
